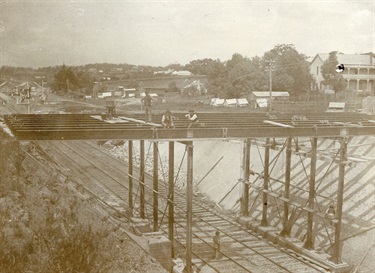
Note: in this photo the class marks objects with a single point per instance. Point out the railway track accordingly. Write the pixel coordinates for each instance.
(242, 250)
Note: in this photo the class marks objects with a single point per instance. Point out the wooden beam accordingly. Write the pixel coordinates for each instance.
(189, 210)
(155, 187)
(286, 228)
(171, 196)
(245, 177)
(337, 246)
(141, 121)
(266, 179)
(278, 124)
(309, 243)
(130, 171)
(142, 180)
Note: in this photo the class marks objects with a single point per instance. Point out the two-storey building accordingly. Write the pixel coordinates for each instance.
(359, 71)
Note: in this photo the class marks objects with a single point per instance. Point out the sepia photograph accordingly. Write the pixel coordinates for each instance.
(187, 136)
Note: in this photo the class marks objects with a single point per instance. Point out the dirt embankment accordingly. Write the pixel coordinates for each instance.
(50, 224)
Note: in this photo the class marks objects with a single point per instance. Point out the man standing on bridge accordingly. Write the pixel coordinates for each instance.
(147, 103)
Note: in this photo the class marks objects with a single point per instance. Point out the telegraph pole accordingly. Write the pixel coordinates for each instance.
(270, 67)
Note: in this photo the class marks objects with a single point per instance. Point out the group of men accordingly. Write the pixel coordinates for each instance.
(167, 119)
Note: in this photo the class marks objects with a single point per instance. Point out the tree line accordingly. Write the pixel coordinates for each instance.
(290, 71)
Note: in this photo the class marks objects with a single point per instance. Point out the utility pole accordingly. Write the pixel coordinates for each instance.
(270, 67)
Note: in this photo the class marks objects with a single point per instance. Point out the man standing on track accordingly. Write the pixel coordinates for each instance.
(217, 242)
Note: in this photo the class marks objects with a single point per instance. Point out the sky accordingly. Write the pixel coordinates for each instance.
(38, 33)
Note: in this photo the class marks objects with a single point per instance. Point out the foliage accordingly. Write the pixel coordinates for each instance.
(200, 67)
(330, 76)
(247, 75)
(172, 87)
(175, 66)
(236, 77)
(10, 165)
(291, 70)
(67, 80)
(228, 79)
(51, 226)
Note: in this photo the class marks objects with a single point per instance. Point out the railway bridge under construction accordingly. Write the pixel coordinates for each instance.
(281, 133)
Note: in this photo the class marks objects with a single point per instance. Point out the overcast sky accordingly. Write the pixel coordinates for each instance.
(41, 33)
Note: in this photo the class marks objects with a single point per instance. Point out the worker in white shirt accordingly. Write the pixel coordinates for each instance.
(194, 120)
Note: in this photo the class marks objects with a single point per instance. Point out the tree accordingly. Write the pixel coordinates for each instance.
(200, 67)
(85, 82)
(64, 80)
(217, 78)
(246, 75)
(330, 76)
(291, 70)
(172, 87)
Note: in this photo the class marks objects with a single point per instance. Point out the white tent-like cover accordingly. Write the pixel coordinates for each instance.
(242, 102)
(262, 103)
(217, 102)
(230, 102)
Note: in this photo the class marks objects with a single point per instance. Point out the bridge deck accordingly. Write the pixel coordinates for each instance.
(214, 126)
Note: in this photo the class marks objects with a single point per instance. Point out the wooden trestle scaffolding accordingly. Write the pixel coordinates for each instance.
(220, 126)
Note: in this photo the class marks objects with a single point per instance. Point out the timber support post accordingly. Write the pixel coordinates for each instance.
(189, 216)
(266, 179)
(155, 187)
(337, 246)
(286, 228)
(142, 180)
(245, 177)
(171, 196)
(130, 171)
(309, 243)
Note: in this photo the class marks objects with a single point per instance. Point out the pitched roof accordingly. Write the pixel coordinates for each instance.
(349, 58)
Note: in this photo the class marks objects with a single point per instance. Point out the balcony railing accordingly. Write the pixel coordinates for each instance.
(358, 77)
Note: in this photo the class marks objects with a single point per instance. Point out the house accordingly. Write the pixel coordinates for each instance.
(359, 71)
